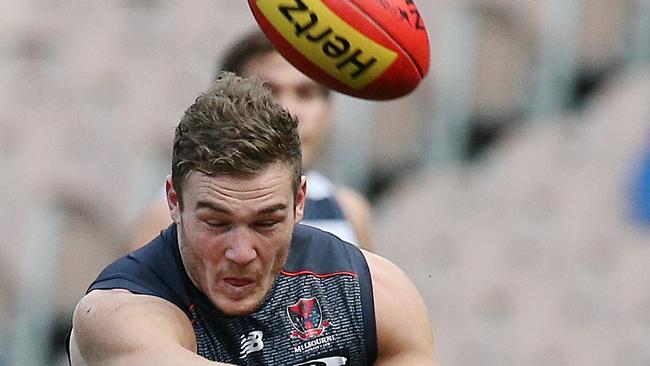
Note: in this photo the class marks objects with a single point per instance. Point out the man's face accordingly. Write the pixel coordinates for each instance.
(235, 233)
(302, 96)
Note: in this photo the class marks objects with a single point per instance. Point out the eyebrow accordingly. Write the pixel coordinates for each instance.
(211, 206)
(219, 208)
(273, 208)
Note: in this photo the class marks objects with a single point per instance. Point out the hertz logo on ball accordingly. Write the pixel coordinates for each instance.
(328, 41)
(371, 49)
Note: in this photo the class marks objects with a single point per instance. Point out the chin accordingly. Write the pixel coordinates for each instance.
(239, 304)
(238, 308)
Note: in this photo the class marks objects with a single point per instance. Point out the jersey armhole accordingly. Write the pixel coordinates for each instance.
(367, 303)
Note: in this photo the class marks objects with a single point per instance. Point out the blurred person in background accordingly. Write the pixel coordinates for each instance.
(235, 278)
(334, 208)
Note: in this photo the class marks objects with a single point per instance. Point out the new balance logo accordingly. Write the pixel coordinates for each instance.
(251, 343)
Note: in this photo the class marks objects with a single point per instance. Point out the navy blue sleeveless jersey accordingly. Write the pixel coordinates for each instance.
(319, 312)
(322, 209)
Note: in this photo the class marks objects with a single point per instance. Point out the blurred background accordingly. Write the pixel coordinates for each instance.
(513, 186)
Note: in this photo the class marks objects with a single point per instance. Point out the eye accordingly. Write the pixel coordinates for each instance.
(265, 224)
(309, 92)
(217, 224)
(272, 88)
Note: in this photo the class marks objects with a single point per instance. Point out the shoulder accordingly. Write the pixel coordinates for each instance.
(111, 324)
(100, 307)
(404, 334)
(358, 211)
(320, 252)
(352, 200)
(389, 280)
(323, 252)
(307, 235)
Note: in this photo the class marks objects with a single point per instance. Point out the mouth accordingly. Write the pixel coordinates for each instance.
(238, 283)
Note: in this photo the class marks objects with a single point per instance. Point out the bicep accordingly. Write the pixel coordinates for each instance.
(116, 327)
(75, 355)
(404, 335)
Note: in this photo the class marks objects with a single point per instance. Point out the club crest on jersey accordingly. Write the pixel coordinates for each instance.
(307, 319)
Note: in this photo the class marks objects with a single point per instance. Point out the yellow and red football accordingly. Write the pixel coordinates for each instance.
(371, 49)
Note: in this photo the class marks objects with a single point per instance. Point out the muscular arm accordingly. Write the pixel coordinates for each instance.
(404, 335)
(357, 210)
(116, 327)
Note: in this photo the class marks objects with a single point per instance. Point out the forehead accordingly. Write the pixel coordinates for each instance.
(272, 67)
(273, 182)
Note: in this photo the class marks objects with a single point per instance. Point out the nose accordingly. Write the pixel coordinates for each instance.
(241, 247)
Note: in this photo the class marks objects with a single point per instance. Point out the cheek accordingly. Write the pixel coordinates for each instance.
(321, 124)
(199, 244)
(280, 258)
(268, 246)
(314, 113)
(201, 259)
(208, 248)
(281, 245)
(192, 258)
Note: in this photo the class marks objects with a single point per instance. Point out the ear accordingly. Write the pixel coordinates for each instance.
(172, 201)
(301, 197)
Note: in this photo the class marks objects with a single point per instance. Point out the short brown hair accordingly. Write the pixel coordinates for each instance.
(237, 129)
